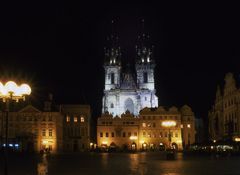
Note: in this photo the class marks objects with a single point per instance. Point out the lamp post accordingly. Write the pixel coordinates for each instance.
(8, 93)
(169, 124)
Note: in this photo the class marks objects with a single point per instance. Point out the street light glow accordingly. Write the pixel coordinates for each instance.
(12, 91)
(133, 137)
(169, 123)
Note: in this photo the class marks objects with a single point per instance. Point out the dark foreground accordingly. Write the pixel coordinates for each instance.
(124, 164)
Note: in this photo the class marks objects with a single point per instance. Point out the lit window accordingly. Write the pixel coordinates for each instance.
(144, 125)
(82, 119)
(188, 125)
(181, 126)
(50, 132)
(44, 132)
(75, 119)
(68, 119)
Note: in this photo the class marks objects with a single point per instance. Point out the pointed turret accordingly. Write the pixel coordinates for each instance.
(144, 61)
(143, 48)
(112, 49)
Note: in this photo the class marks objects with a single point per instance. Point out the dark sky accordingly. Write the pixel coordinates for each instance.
(58, 47)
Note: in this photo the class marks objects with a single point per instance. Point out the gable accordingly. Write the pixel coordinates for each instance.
(29, 109)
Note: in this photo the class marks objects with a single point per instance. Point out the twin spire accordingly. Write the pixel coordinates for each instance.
(143, 48)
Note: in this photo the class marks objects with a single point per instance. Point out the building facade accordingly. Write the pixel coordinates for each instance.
(224, 117)
(124, 89)
(54, 128)
(76, 127)
(153, 129)
(31, 129)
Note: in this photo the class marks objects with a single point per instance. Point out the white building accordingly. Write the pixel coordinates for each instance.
(129, 90)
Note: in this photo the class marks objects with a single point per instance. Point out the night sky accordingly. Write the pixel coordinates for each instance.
(58, 47)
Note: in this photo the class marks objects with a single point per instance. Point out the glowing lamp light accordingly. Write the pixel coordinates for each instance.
(161, 144)
(11, 87)
(237, 139)
(133, 137)
(104, 142)
(169, 123)
(142, 141)
(2, 90)
(91, 144)
(25, 89)
(45, 142)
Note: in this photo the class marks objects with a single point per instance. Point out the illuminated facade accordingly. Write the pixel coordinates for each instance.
(224, 117)
(154, 128)
(33, 130)
(65, 128)
(76, 127)
(126, 90)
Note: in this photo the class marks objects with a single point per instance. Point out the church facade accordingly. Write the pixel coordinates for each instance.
(127, 90)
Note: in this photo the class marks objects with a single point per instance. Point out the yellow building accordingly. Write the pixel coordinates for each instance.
(154, 128)
(76, 127)
(118, 132)
(30, 129)
(224, 117)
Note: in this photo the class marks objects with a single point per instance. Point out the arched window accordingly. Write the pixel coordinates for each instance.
(145, 77)
(112, 78)
(112, 105)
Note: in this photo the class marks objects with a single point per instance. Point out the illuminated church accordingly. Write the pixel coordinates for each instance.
(127, 90)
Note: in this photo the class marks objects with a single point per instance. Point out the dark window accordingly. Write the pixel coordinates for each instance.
(112, 134)
(101, 134)
(106, 134)
(145, 77)
(112, 78)
(124, 134)
(112, 105)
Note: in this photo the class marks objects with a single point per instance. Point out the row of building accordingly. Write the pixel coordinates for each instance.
(67, 128)
(131, 117)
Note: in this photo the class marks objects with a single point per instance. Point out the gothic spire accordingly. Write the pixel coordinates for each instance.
(112, 49)
(143, 48)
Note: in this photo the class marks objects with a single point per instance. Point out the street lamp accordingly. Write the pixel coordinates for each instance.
(11, 92)
(169, 124)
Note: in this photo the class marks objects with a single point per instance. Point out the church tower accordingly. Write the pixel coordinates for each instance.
(145, 67)
(144, 62)
(112, 64)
